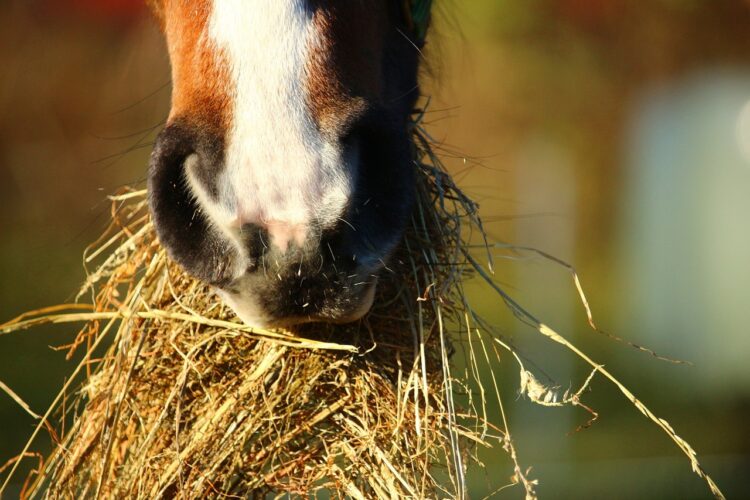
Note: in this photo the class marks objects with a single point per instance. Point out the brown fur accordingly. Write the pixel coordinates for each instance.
(344, 69)
(340, 78)
(200, 71)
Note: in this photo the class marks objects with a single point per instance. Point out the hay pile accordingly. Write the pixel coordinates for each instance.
(175, 398)
(187, 401)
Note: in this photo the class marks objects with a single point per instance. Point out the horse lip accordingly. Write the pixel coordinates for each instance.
(253, 315)
(364, 306)
(366, 301)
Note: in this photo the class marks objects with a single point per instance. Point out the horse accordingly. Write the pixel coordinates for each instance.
(284, 176)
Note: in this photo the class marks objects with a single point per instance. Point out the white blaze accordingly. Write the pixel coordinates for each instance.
(280, 172)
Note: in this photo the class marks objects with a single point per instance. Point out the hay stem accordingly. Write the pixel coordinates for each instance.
(235, 328)
(19, 401)
(548, 332)
(57, 399)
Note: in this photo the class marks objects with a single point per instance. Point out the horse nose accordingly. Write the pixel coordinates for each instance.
(275, 256)
(281, 234)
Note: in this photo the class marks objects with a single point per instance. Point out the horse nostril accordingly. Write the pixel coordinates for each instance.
(252, 239)
(180, 223)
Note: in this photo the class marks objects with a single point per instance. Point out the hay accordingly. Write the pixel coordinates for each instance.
(175, 398)
(187, 400)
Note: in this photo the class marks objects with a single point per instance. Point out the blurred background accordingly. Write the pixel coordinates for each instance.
(612, 134)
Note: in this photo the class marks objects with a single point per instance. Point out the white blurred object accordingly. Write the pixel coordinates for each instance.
(743, 131)
(686, 232)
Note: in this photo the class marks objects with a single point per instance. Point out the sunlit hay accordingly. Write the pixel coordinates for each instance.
(175, 398)
(186, 400)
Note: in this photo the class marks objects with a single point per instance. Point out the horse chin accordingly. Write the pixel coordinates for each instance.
(254, 315)
(357, 313)
(246, 310)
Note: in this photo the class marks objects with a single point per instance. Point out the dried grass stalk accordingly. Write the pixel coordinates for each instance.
(187, 402)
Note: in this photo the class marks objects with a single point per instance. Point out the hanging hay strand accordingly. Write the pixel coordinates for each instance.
(175, 398)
